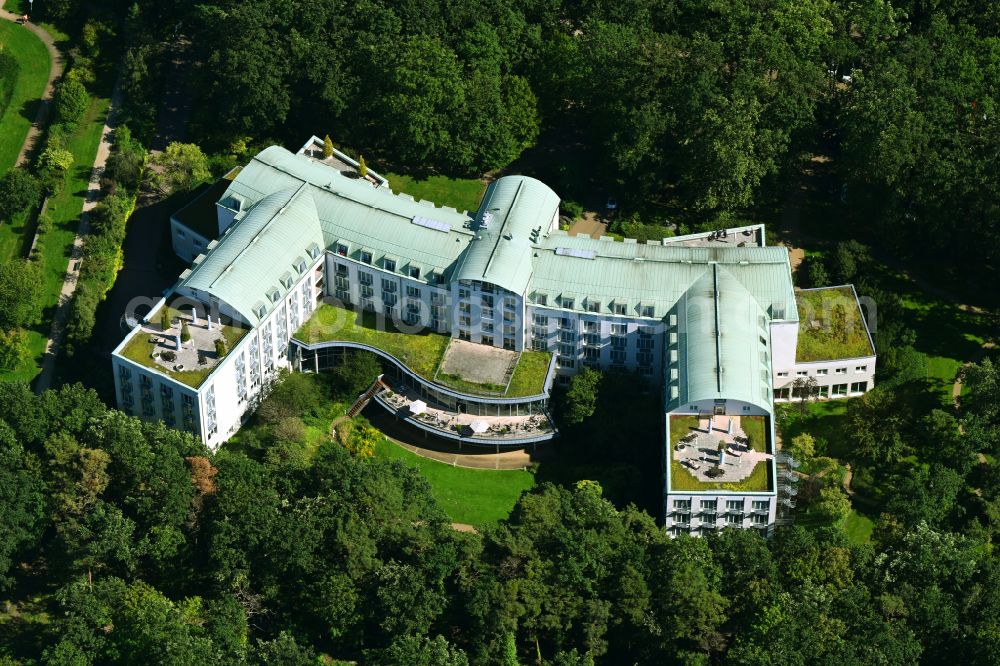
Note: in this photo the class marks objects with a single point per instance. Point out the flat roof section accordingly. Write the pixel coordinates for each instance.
(199, 214)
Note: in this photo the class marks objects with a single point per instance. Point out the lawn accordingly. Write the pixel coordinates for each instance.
(470, 496)
(64, 209)
(825, 420)
(420, 352)
(459, 193)
(29, 85)
(858, 528)
(832, 326)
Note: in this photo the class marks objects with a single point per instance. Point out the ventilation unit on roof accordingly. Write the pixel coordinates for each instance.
(428, 223)
(487, 218)
(576, 252)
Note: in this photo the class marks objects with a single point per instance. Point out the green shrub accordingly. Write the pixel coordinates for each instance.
(72, 101)
(571, 209)
(19, 191)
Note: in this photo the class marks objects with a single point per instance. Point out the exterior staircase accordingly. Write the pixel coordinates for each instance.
(377, 387)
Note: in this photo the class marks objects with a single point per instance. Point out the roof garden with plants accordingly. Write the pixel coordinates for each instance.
(712, 455)
(202, 345)
(831, 325)
(424, 353)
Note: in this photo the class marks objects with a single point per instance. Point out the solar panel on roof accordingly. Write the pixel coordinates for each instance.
(428, 223)
(576, 252)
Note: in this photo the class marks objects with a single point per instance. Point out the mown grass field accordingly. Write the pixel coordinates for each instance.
(33, 65)
(64, 209)
(470, 496)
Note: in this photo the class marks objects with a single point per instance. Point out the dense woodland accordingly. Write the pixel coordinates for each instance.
(147, 548)
(124, 542)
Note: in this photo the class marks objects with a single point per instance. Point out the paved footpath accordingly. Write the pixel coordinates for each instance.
(58, 331)
(55, 71)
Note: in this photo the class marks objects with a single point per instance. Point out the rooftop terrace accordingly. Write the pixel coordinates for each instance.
(696, 446)
(156, 348)
(465, 367)
(832, 325)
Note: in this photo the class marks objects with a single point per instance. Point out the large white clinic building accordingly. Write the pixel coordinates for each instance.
(712, 320)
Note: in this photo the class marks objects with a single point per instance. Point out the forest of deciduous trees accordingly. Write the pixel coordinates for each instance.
(140, 546)
(690, 110)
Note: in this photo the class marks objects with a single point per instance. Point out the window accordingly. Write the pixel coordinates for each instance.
(708, 506)
(592, 354)
(539, 332)
(746, 408)
(759, 519)
(760, 505)
(540, 320)
(564, 362)
(619, 342)
(538, 345)
(734, 519)
(341, 269)
(389, 285)
(567, 350)
(487, 327)
(365, 278)
(734, 505)
(388, 298)
(822, 372)
(367, 291)
(366, 257)
(464, 321)
(801, 373)
(488, 340)
(592, 339)
(618, 308)
(508, 343)
(541, 299)
(840, 371)
(414, 272)
(838, 390)
(682, 505)
(342, 249)
(568, 303)
(463, 293)
(487, 301)
(645, 344)
(617, 356)
(861, 368)
(565, 323)
(782, 374)
(619, 329)
(389, 265)
(593, 306)
(590, 326)
(413, 292)
(646, 332)
(646, 311)
(859, 387)
(567, 336)
(644, 358)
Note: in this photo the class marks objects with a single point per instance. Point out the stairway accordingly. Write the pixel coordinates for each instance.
(377, 387)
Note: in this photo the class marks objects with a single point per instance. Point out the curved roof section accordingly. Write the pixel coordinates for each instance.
(353, 212)
(257, 250)
(515, 213)
(723, 355)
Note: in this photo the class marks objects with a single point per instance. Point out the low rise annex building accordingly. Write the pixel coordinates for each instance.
(475, 316)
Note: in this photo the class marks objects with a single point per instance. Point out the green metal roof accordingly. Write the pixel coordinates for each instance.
(514, 211)
(721, 333)
(258, 250)
(354, 212)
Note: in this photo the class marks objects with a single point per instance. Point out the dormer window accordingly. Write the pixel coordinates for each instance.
(301, 266)
(647, 311)
(568, 303)
(261, 311)
(389, 265)
(341, 249)
(366, 257)
(619, 308)
(275, 295)
(541, 299)
(314, 251)
(414, 272)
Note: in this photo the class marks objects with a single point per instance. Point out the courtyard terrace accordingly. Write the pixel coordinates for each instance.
(463, 366)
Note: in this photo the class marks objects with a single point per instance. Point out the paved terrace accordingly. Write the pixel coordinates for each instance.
(497, 427)
(695, 450)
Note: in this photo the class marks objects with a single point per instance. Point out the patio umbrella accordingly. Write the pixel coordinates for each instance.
(418, 407)
(479, 426)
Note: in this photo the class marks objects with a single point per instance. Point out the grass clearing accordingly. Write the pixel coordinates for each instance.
(33, 64)
(459, 193)
(470, 496)
(858, 528)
